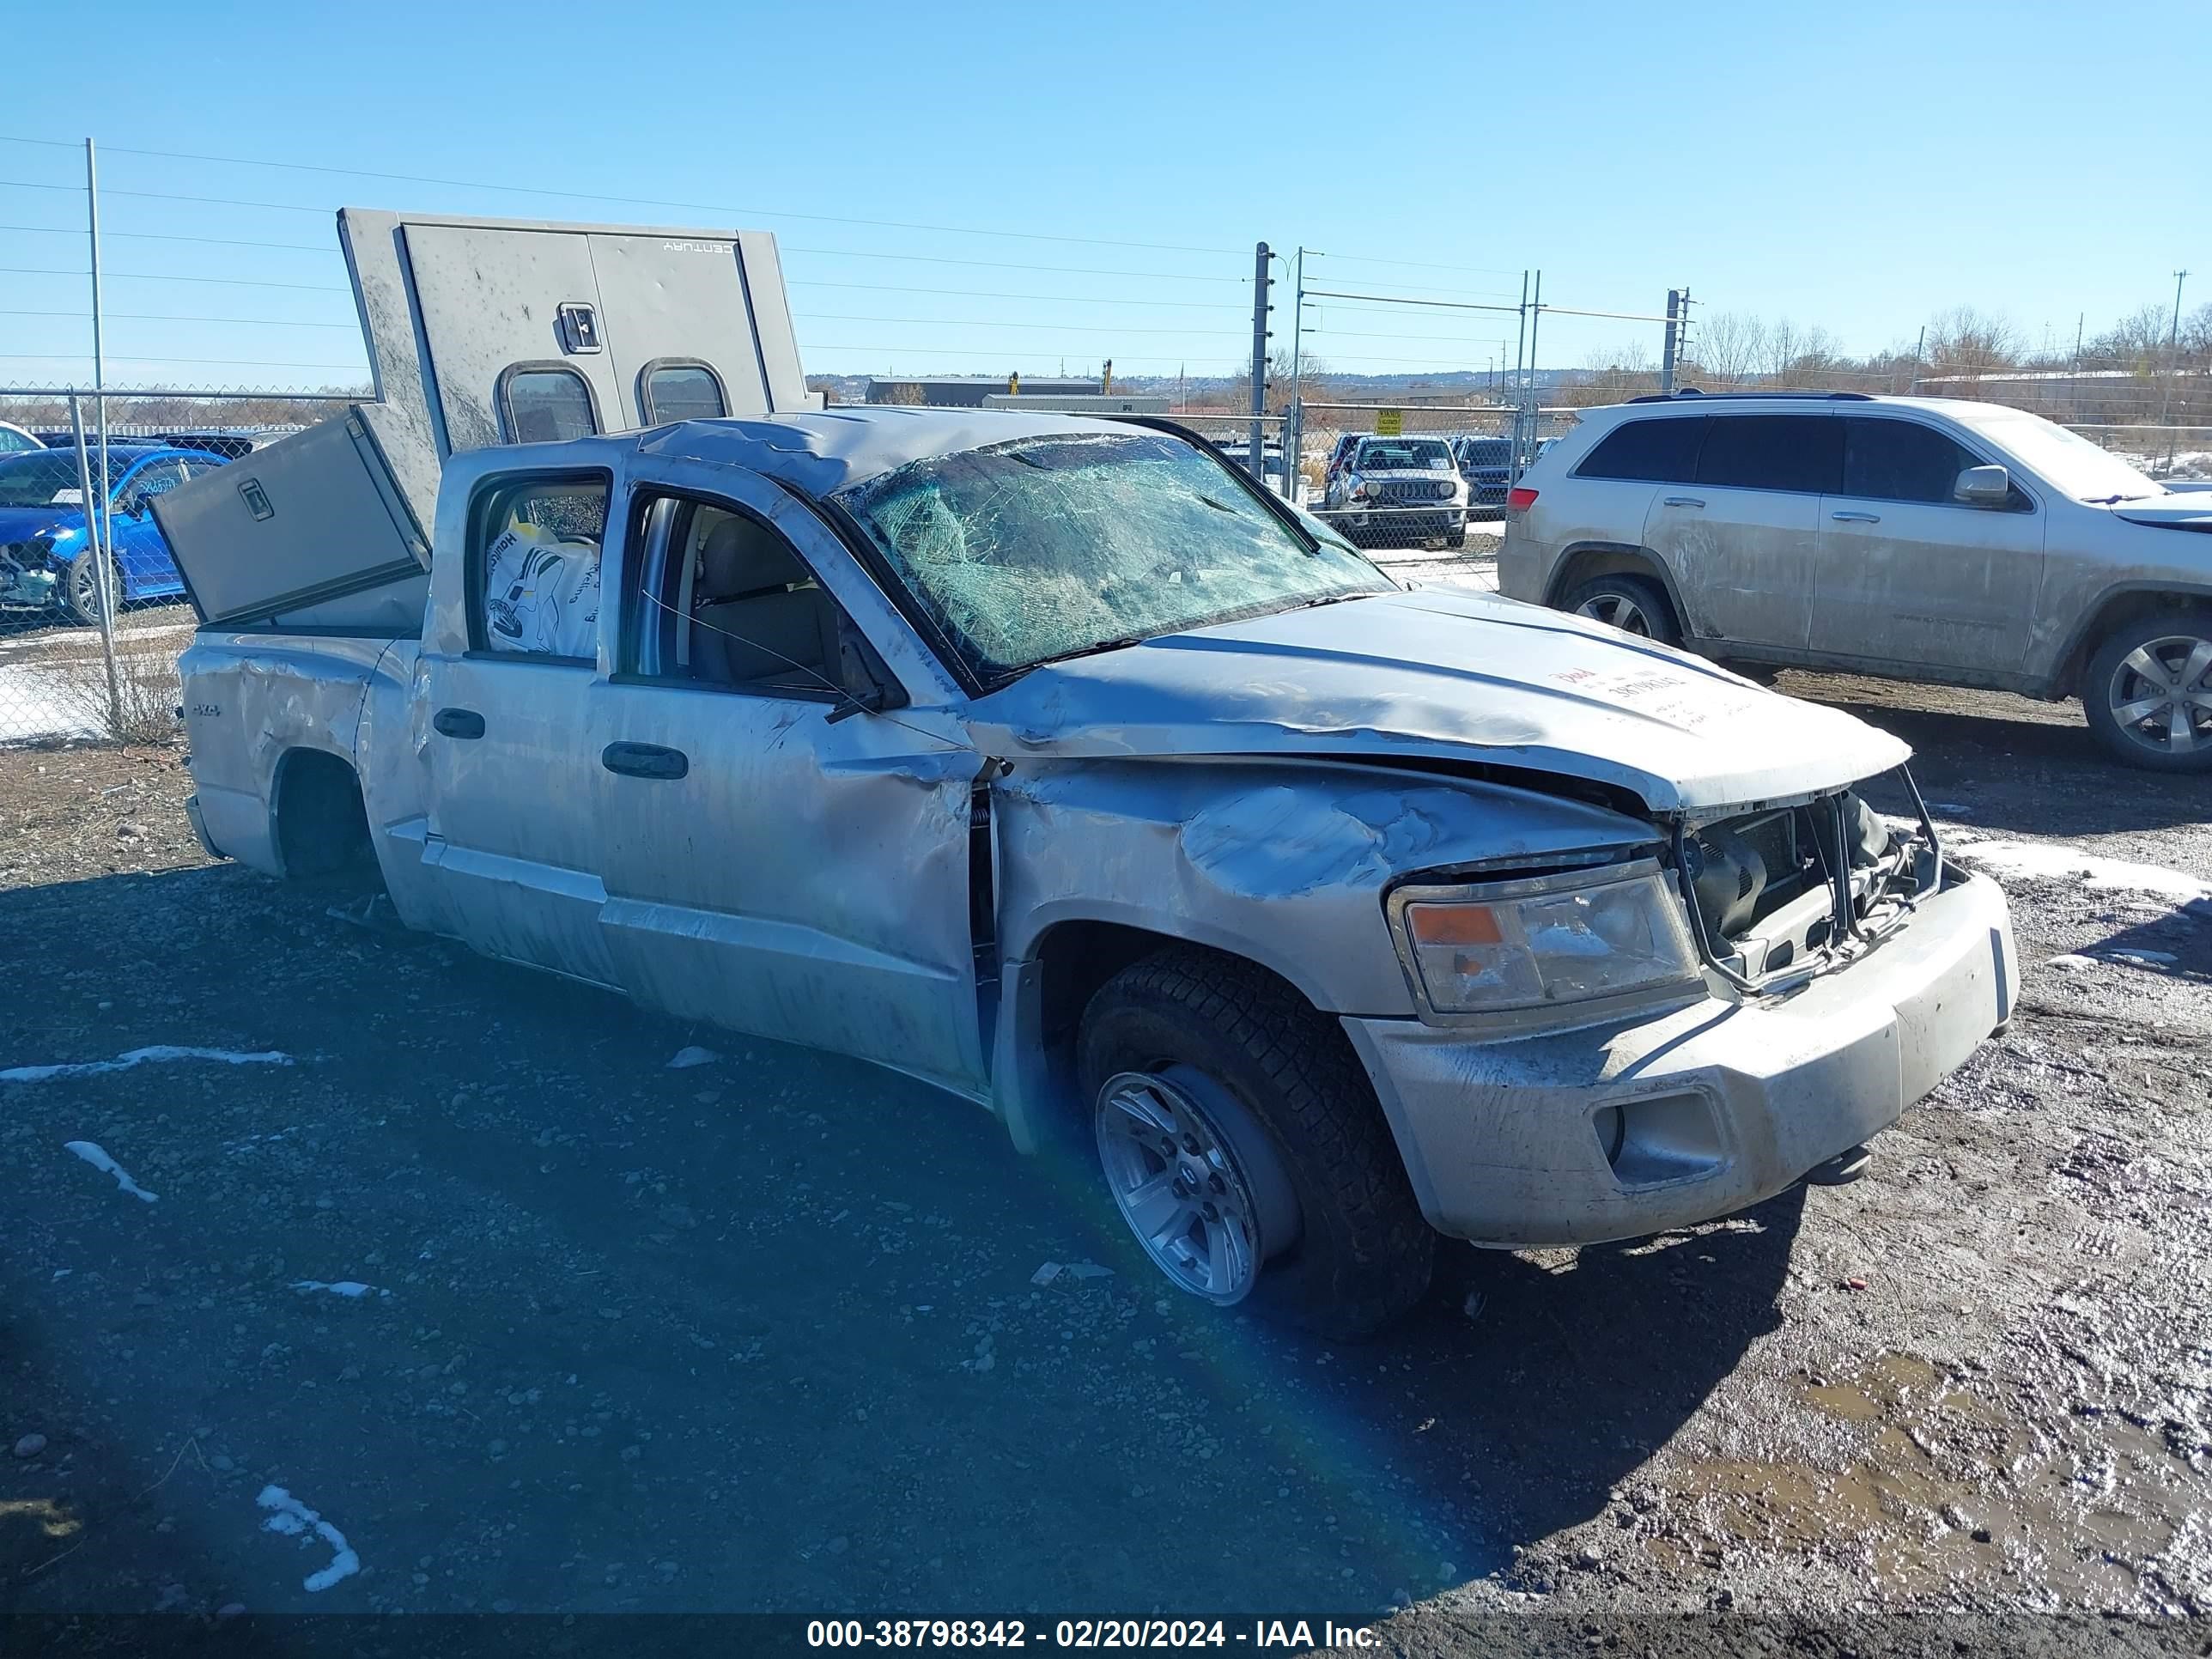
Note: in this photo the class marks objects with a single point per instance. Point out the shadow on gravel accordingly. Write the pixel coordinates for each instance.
(1539, 1383)
(772, 1320)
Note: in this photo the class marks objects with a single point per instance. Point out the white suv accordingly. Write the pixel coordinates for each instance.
(1919, 538)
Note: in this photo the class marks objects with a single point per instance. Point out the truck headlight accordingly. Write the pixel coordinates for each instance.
(1535, 950)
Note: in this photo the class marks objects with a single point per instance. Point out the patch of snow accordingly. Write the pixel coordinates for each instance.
(2071, 962)
(1090, 1270)
(351, 1287)
(35, 707)
(159, 1052)
(2050, 861)
(91, 1153)
(684, 1059)
(1046, 1275)
(2143, 958)
(292, 1518)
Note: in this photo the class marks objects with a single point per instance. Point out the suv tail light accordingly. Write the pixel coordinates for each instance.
(1520, 499)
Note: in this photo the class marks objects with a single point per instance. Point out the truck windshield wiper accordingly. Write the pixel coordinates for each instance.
(2110, 501)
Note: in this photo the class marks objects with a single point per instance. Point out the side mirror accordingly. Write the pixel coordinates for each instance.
(1983, 486)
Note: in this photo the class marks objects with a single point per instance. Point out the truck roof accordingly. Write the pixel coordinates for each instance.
(823, 452)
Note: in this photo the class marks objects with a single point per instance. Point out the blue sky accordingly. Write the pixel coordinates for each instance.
(1859, 167)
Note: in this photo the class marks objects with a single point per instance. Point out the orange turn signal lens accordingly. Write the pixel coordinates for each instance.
(1453, 923)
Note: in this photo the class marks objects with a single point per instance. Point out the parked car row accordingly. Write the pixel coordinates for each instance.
(47, 564)
(1919, 538)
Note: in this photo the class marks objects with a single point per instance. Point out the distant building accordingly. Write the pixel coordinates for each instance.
(1088, 403)
(969, 391)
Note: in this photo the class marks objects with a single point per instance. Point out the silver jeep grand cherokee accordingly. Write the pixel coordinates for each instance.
(1917, 539)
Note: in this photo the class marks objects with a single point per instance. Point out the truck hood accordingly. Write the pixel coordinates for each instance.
(1449, 675)
(2183, 510)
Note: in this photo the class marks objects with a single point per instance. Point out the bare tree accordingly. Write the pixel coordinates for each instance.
(1963, 343)
(1728, 347)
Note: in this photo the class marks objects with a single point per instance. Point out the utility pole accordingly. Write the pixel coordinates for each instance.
(1294, 424)
(1666, 345)
(1919, 349)
(1256, 460)
(2173, 367)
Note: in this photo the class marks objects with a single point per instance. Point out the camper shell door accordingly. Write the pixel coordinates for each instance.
(460, 314)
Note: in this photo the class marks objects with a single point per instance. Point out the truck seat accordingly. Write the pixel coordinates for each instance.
(758, 619)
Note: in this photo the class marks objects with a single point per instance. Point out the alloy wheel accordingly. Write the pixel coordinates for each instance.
(1616, 611)
(1195, 1178)
(2160, 694)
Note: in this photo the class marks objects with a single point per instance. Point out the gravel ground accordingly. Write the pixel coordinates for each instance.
(766, 1332)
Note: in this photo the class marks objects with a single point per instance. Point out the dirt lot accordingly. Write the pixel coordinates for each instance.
(762, 1333)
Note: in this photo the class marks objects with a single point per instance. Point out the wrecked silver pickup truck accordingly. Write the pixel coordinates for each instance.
(1049, 761)
(1053, 762)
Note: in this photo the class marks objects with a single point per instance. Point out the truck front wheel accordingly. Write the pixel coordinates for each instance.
(1242, 1144)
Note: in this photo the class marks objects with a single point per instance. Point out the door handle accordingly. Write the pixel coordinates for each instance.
(645, 760)
(459, 722)
(1856, 518)
(1682, 500)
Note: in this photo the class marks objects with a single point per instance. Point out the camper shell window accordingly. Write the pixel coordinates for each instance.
(546, 403)
(680, 389)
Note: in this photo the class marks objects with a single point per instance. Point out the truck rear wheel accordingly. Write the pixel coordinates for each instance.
(1242, 1144)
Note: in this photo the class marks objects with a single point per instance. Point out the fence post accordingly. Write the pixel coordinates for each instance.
(96, 545)
(104, 571)
(1257, 458)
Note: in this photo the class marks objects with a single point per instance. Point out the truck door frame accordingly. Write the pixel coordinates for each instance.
(802, 872)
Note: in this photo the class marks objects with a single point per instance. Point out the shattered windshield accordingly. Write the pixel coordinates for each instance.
(1049, 547)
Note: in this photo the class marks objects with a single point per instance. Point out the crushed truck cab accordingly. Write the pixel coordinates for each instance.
(1051, 762)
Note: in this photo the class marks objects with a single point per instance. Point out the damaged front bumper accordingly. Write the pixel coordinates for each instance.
(1613, 1132)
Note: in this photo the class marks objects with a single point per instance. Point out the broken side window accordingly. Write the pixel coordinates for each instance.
(534, 566)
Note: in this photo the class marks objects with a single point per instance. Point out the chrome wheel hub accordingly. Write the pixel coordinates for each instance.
(1195, 1178)
(2161, 694)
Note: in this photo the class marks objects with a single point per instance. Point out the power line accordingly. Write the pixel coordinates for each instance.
(165, 316)
(993, 322)
(1408, 265)
(172, 195)
(126, 357)
(163, 236)
(985, 294)
(634, 201)
(166, 276)
(1001, 264)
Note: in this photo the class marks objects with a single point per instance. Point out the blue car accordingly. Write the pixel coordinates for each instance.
(44, 562)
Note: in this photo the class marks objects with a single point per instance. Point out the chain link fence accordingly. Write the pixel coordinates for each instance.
(93, 609)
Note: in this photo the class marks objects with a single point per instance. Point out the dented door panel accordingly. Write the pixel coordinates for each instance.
(1742, 560)
(804, 879)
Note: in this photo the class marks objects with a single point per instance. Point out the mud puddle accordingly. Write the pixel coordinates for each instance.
(1926, 1486)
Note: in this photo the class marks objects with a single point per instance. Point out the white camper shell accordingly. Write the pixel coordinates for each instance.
(480, 332)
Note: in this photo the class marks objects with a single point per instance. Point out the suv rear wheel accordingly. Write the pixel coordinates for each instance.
(2147, 692)
(1634, 604)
